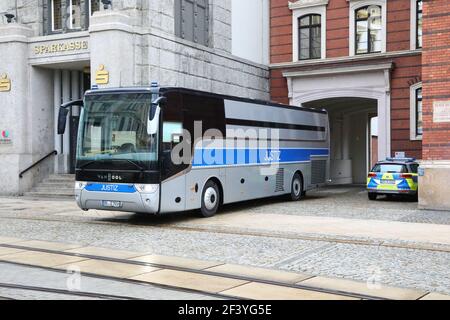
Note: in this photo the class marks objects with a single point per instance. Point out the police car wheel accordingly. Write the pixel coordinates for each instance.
(372, 196)
(297, 187)
(210, 199)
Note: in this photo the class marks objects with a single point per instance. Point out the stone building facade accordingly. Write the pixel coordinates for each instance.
(53, 49)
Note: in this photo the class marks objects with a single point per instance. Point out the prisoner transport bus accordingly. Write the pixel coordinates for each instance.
(158, 150)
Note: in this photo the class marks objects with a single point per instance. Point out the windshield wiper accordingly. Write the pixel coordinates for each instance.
(134, 163)
(84, 165)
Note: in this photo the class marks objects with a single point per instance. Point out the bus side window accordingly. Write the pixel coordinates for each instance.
(172, 132)
(172, 129)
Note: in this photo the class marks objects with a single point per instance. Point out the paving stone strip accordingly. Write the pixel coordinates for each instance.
(234, 281)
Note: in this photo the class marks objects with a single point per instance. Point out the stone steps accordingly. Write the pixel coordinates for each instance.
(60, 186)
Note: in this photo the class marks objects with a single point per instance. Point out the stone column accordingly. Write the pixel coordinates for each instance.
(15, 151)
(384, 127)
(66, 97)
(57, 103)
(113, 46)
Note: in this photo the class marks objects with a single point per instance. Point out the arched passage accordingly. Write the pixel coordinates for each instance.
(351, 137)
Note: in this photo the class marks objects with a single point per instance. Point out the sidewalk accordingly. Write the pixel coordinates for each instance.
(422, 233)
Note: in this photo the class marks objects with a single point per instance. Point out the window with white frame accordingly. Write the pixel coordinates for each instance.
(94, 5)
(56, 15)
(368, 29)
(367, 26)
(309, 29)
(416, 119)
(69, 15)
(309, 33)
(416, 24)
(74, 15)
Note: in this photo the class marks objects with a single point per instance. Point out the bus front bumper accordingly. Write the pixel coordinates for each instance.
(110, 201)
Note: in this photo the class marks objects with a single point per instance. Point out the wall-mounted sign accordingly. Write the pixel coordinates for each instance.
(5, 137)
(441, 111)
(5, 83)
(58, 47)
(102, 75)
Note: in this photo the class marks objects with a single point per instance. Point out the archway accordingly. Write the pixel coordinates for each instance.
(350, 137)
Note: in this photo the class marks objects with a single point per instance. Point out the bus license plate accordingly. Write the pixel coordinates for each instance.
(112, 204)
(387, 181)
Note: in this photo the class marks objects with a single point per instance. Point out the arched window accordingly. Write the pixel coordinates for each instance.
(368, 29)
(309, 37)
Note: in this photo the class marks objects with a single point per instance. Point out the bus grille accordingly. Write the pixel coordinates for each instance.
(318, 171)
(279, 185)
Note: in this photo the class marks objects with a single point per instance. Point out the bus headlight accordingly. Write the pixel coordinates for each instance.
(80, 185)
(146, 188)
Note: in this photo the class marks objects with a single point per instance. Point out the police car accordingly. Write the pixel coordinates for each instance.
(393, 176)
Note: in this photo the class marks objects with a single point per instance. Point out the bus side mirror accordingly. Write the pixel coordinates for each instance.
(62, 117)
(64, 111)
(153, 122)
(153, 116)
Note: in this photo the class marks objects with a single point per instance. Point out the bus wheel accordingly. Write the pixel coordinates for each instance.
(297, 187)
(210, 199)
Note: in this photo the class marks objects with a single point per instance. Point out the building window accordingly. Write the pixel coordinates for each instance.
(419, 24)
(309, 33)
(68, 15)
(418, 102)
(74, 15)
(416, 119)
(94, 5)
(192, 20)
(368, 29)
(56, 15)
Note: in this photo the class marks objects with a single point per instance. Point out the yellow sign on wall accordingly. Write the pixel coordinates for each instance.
(5, 83)
(102, 75)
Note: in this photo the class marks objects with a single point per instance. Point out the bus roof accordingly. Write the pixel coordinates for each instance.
(144, 89)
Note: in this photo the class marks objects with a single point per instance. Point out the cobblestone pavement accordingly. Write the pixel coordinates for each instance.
(422, 269)
(348, 202)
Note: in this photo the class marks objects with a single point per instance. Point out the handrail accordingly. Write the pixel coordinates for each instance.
(54, 152)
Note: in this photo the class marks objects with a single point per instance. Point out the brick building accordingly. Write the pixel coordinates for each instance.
(436, 105)
(361, 59)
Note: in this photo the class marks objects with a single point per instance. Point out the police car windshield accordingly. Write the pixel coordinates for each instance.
(390, 168)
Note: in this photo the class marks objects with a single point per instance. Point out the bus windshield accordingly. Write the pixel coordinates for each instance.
(113, 127)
